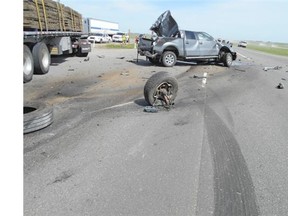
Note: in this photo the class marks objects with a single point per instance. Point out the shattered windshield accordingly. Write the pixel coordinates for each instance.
(165, 25)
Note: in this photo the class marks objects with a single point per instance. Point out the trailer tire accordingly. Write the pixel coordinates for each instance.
(37, 115)
(28, 64)
(151, 88)
(41, 57)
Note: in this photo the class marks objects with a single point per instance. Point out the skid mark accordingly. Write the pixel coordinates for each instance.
(233, 187)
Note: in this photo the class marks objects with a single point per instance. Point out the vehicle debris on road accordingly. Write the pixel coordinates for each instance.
(151, 109)
(272, 68)
(280, 86)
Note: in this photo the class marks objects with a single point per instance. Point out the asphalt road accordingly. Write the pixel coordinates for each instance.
(221, 150)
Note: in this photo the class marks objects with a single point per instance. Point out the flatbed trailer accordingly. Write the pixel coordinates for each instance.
(50, 28)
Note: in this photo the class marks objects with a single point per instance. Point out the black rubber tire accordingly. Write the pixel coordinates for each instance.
(80, 54)
(41, 57)
(154, 61)
(169, 59)
(227, 60)
(154, 81)
(28, 64)
(37, 115)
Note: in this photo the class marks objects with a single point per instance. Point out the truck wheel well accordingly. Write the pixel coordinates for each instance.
(173, 49)
(225, 49)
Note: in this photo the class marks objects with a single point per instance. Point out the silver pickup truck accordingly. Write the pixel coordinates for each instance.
(171, 44)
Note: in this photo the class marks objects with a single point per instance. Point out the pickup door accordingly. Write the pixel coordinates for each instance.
(207, 45)
(191, 44)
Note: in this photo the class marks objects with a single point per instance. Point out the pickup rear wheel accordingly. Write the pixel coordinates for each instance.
(169, 59)
(28, 64)
(227, 60)
(42, 58)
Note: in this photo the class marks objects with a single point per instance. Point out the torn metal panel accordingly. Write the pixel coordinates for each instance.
(165, 25)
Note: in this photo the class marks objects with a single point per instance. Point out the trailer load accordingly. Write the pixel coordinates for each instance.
(50, 28)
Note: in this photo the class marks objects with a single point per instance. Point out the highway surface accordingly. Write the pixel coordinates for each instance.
(221, 150)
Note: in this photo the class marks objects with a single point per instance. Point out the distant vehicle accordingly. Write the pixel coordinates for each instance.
(118, 37)
(99, 38)
(242, 44)
(93, 26)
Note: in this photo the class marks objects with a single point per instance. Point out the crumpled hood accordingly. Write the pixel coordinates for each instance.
(165, 25)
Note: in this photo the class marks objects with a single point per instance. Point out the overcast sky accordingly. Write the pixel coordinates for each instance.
(264, 20)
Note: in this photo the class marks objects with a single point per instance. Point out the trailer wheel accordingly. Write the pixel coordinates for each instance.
(42, 58)
(28, 64)
(161, 87)
(37, 115)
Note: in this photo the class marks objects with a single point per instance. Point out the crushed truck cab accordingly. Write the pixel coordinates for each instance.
(171, 44)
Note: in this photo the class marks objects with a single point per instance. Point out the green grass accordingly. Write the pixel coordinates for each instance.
(120, 46)
(275, 49)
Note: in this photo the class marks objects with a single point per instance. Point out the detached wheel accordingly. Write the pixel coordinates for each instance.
(28, 64)
(37, 115)
(160, 88)
(42, 58)
(227, 59)
(169, 59)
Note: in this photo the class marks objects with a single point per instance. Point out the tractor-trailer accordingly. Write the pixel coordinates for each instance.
(50, 28)
(93, 26)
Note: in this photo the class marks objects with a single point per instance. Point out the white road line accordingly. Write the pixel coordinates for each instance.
(204, 79)
(118, 105)
(243, 56)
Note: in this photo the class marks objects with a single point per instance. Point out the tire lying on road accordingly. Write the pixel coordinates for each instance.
(159, 83)
(37, 115)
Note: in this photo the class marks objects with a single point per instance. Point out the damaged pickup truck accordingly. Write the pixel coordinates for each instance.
(172, 44)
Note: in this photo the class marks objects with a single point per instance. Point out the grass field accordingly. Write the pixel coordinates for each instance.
(268, 47)
(120, 46)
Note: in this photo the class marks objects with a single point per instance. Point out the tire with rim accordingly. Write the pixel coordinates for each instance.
(28, 64)
(227, 60)
(154, 83)
(37, 115)
(169, 59)
(41, 57)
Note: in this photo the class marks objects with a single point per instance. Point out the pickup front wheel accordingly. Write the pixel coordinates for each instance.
(227, 60)
(169, 59)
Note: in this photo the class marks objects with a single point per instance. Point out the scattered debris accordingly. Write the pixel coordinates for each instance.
(151, 109)
(125, 74)
(280, 86)
(240, 70)
(272, 68)
(120, 57)
(71, 69)
(101, 56)
(87, 59)
(283, 79)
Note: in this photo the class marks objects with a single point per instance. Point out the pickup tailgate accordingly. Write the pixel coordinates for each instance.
(145, 44)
